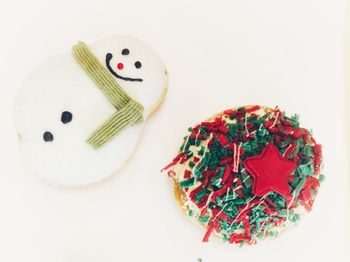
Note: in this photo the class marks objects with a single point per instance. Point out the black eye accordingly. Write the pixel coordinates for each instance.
(138, 64)
(125, 51)
(48, 136)
(66, 117)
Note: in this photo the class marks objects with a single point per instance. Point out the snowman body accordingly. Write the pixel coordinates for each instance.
(59, 106)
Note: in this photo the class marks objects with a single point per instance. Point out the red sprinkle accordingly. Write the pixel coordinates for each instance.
(208, 233)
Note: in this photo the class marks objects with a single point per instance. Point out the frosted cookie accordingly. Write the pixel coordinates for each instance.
(247, 173)
(80, 115)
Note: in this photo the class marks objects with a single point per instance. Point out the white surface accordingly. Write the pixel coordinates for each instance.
(219, 54)
(59, 85)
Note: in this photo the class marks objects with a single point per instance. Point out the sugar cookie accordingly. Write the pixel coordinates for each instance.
(247, 173)
(81, 114)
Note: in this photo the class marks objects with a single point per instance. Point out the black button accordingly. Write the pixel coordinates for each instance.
(48, 136)
(66, 117)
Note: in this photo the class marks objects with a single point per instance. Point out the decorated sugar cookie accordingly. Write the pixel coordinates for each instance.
(247, 173)
(80, 115)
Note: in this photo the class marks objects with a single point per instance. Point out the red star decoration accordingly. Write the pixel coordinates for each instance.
(270, 171)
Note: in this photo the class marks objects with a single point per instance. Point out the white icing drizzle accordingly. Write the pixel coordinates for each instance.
(245, 125)
(260, 126)
(274, 122)
(187, 138)
(286, 150)
(228, 190)
(236, 157)
(222, 209)
(253, 132)
(290, 204)
(198, 133)
(207, 203)
(263, 198)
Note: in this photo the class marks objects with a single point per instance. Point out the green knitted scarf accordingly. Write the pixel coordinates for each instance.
(129, 111)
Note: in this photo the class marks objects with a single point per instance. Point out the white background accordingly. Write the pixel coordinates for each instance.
(219, 54)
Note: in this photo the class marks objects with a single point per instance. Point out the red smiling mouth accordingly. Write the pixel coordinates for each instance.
(109, 57)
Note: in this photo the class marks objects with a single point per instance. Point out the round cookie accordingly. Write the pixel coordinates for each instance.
(246, 173)
(80, 115)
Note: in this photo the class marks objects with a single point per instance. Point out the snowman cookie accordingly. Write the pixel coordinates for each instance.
(80, 115)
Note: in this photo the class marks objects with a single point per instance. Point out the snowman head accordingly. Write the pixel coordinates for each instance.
(59, 106)
(136, 68)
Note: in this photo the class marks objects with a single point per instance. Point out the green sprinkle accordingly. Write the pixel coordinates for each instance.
(225, 237)
(285, 142)
(201, 194)
(254, 144)
(305, 170)
(191, 164)
(313, 193)
(262, 132)
(321, 178)
(294, 217)
(299, 186)
(243, 243)
(239, 201)
(187, 183)
(201, 151)
(246, 178)
(307, 151)
(203, 219)
(286, 213)
(247, 147)
(198, 171)
(259, 208)
(217, 180)
(231, 210)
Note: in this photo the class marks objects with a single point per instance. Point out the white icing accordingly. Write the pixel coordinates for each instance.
(286, 150)
(236, 157)
(245, 125)
(275, 121)
(61, 85)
